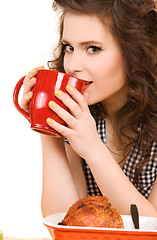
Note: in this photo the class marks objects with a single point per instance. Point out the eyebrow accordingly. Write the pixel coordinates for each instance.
(91, 42)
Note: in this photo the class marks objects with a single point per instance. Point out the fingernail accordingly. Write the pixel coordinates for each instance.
(31, 79)
(69, 87)
(32, 71)
(52, 104)
(28, 93)
(40, 67)
(49, 120)
(58, 92)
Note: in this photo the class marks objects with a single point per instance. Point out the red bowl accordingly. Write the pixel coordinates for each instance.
(148, 230)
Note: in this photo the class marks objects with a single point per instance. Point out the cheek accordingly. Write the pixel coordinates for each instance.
(65, 64)
(111, 70)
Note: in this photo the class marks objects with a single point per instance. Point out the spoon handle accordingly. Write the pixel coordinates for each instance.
(135, 216)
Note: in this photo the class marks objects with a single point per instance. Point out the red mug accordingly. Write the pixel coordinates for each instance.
(43, 92)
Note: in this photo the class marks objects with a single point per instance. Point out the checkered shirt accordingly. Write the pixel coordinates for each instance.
(147, 176)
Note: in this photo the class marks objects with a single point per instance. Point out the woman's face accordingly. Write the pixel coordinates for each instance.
(92, 54)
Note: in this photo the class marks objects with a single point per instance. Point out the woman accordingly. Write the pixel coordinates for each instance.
(111, 133)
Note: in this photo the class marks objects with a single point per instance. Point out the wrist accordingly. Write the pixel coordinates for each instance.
(94, 149)
(49, 141)
(99, 154)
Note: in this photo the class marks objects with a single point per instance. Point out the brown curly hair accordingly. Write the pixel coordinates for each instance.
(134, 24)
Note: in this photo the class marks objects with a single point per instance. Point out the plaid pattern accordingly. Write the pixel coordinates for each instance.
(147, 176)
(149, 172)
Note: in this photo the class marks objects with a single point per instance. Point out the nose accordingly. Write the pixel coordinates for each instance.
(73, 63)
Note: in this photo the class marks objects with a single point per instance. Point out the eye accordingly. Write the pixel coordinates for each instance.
(93, 49)
(67, 48)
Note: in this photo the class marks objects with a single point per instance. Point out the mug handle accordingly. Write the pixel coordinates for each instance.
(15, 98)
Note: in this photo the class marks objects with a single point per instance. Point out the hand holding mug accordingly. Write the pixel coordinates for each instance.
(28, 83)
(44, 85)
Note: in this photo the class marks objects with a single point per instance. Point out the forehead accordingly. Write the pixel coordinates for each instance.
(83, 27)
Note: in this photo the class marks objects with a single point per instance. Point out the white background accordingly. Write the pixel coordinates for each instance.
(27, 36)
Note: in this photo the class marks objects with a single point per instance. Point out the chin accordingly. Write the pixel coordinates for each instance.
(92, 101)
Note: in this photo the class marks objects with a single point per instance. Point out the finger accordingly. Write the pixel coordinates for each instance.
(30, 75)
(78, 97)
(63, 114)
(29, 85)
(63, 130)
(70, 103)
(30, 79)
(85, 95)
(25, 101)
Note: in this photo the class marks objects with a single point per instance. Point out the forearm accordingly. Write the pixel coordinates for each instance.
(114, 184)
(59, 190)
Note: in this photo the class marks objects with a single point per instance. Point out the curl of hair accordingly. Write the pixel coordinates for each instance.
(134, 24)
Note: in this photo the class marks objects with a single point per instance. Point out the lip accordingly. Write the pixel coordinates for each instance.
(87, 86)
